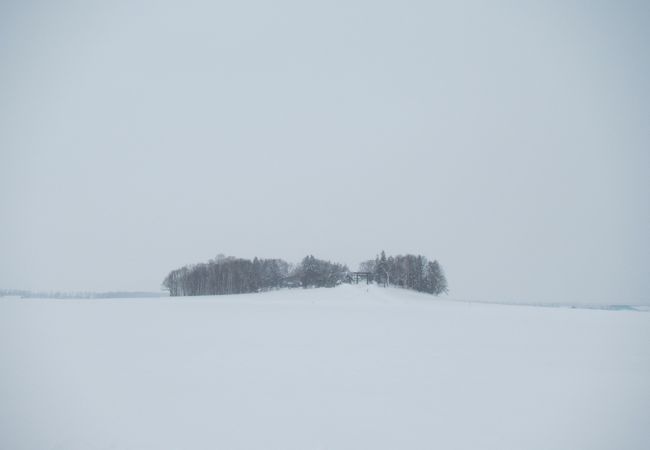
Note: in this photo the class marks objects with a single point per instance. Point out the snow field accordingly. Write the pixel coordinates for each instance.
(353, 367)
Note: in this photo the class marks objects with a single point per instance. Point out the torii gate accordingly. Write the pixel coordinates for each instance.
(357, 275)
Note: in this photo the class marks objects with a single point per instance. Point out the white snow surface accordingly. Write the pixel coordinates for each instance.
(354, 367)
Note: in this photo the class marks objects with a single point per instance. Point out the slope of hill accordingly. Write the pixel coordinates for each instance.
(353, 367)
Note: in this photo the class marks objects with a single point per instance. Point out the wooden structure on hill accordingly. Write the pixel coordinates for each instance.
(356, 276)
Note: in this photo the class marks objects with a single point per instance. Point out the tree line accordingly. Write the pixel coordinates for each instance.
(230, 275)
(409, 271)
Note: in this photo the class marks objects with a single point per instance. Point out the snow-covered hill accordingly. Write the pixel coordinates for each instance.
(353, 367)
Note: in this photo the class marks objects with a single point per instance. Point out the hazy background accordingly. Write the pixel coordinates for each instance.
(509, 141)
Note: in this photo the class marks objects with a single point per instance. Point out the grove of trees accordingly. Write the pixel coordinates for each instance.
(312, 272)
(409, 271)
(227, 275)
(230, 275)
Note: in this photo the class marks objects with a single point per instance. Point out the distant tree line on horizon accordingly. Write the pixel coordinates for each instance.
(78, 295)
(230, 275)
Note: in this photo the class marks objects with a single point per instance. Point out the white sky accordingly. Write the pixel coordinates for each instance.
(509, 141)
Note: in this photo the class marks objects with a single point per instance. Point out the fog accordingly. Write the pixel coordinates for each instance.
(510, 142)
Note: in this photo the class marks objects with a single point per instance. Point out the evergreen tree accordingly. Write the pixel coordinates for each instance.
(381, 270)
(436, 280)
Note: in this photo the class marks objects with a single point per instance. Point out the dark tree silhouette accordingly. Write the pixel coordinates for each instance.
(409, 271)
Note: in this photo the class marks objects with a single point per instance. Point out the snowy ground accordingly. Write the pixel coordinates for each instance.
(344, 368)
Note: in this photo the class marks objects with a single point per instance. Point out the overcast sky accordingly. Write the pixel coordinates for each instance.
(509, 141)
